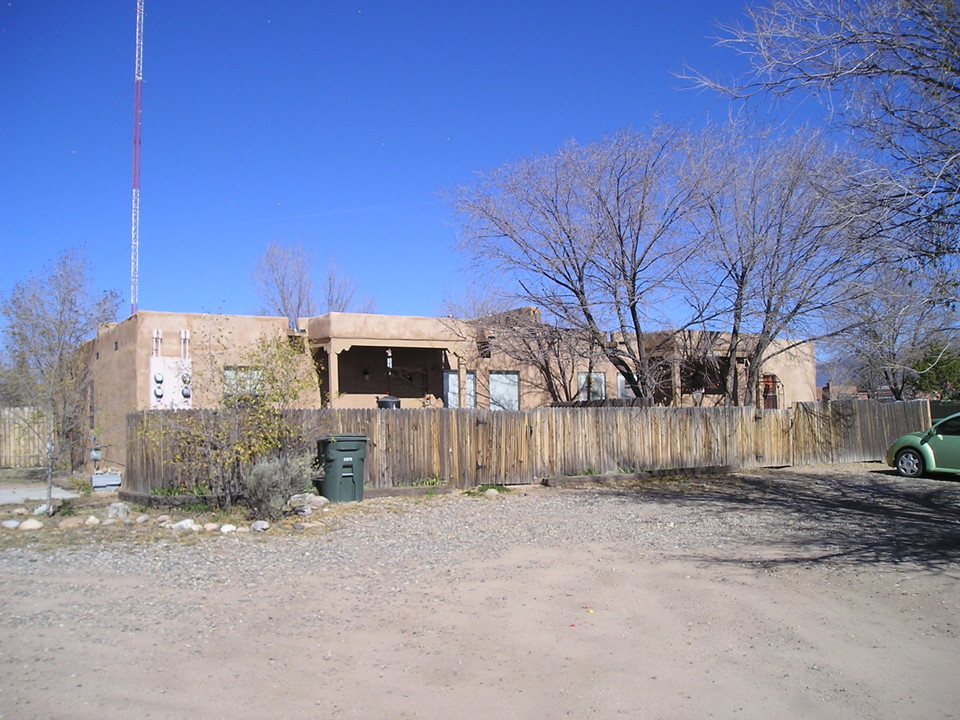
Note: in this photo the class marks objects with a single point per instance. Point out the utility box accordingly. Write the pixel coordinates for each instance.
(343, 458)
(105, 481)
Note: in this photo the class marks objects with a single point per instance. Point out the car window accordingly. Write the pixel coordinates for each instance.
(949, 427)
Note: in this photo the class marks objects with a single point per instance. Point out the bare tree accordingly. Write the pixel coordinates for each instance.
(13, 393)
(555, 353)
(282, 278)
(48, 316)
(784, 241)
(938, 371)
(590, 234)
(887, 71)
(887, 333)
(340, 290)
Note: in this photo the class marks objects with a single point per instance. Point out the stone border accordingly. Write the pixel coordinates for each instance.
(176, 501)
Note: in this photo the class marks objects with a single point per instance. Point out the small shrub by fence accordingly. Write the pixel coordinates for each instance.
(23, 432)
(474, 447)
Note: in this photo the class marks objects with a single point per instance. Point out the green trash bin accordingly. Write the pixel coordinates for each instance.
(342, 457)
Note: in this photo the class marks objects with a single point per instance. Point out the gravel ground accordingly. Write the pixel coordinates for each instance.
(812, 592)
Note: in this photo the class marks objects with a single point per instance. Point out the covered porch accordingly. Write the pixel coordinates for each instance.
(361, 358)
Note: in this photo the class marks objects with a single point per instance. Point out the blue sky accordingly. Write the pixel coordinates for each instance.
(334, 123)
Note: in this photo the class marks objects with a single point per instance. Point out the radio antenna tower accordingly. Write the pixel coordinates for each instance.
(135, 216)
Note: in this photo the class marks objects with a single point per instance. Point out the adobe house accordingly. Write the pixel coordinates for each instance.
(171, 361)
(699, 363)
(157, 360)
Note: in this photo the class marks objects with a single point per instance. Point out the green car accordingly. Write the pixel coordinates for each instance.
(936, 450)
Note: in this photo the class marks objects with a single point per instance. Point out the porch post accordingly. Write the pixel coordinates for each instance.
(333, 371)
(461, 382)
(676, 385)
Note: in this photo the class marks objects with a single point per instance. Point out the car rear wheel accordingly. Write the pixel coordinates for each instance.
(909, 463)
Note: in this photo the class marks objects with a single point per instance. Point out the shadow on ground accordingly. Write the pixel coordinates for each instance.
(863, 516)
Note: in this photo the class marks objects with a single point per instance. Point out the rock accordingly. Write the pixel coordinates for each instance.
(142, 519)
(30, 524)
(161, 519)
(303, 510)
(118, 510)
(183, 525)
(70, 522)
(42, 509)
(259, 526)
(227, 528)
(110, 521)
(308, 499)
(21, 511)
(243, 530)
(491, 492)
(92, 520)
(210, 526)
(10, 524)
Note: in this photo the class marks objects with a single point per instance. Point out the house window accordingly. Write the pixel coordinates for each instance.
(504, 390)
(705, 374)
(624, 391)
(451, 389)
(242, 384)
(770, 385)
(591, 386)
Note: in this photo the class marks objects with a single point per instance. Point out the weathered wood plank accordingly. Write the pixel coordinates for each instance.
(473, 447)
(23, 434)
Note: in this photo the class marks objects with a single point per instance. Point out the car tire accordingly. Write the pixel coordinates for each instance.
(909, 463)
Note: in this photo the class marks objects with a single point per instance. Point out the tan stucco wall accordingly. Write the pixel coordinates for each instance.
(121, 355)
(400, 329)
(113, 356)
(796, 368)
(216, 341)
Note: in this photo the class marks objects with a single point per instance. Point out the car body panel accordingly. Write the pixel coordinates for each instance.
(939, 446)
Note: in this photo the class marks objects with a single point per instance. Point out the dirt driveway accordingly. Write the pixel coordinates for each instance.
(802, 593)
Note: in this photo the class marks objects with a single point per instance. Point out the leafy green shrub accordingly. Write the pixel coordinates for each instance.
(269, 483)
(434, 481)
(81, 485)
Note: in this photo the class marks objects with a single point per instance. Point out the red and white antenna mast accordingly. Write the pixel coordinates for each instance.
(135, 219)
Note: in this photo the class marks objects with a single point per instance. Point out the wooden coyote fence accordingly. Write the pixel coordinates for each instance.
(23, 434)
(854, 430)
(475, 447)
